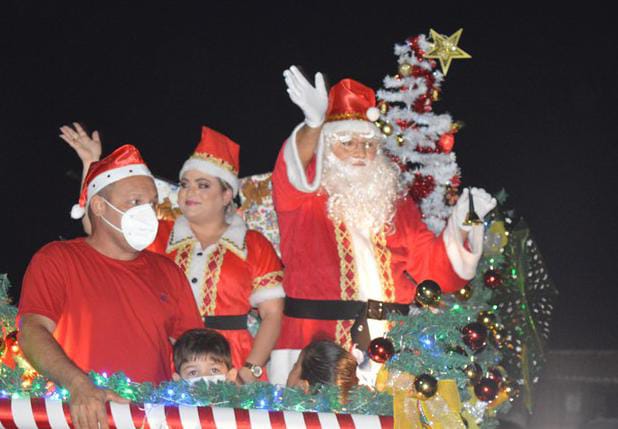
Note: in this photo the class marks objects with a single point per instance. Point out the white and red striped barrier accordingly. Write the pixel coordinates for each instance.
(53, 414)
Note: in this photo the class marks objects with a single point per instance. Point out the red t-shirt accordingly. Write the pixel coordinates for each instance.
(110, 315)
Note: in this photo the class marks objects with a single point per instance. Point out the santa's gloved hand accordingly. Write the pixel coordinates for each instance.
(483, 204)
(313, 100)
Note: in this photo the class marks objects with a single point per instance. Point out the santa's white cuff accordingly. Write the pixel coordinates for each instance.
(264, 294)
(296, 172)
(464, 261)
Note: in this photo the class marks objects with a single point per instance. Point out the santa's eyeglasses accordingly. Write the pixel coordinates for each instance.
(356, 145)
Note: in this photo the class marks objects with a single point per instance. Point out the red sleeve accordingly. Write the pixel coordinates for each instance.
(263, 260)
(44, 286)
(285, 196)
(187, 315)
(428, 258)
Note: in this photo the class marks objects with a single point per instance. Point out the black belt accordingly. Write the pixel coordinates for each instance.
(226, 323)
(360, 311)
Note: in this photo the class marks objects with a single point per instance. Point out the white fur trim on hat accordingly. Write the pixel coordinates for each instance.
(107, 178)
(211, 169)
(351, 125)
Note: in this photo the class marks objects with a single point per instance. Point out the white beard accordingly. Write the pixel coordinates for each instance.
(361, 196)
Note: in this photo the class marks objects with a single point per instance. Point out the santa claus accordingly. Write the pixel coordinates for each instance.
(353, 243)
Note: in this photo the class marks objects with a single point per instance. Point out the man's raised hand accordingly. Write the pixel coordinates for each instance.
(88, 148)
(312, 99)
(483, 204)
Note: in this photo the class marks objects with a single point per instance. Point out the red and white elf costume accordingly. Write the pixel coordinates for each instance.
(233, 275)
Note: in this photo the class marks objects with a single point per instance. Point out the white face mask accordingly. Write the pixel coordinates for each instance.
(138, 225)
(207, 378)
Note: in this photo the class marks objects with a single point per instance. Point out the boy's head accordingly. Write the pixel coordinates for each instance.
(324, 362)
(202, 353)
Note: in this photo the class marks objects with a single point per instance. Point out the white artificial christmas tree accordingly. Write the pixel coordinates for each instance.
(418, 139)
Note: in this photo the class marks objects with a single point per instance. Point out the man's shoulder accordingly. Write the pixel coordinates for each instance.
(158, 259)
(61, 247)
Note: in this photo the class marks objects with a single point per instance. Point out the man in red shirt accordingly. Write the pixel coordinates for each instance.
(101, 303)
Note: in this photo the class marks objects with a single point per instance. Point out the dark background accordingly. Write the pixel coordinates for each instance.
(538, 100)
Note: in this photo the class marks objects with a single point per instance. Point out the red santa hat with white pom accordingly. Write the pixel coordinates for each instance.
(352, 108)
(124, 162)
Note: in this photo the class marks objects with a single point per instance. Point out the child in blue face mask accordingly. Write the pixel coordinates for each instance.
(203, 354)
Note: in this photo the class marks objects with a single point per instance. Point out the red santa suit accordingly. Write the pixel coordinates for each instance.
(330, 264)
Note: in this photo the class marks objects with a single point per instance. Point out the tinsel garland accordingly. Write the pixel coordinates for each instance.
(223, 394)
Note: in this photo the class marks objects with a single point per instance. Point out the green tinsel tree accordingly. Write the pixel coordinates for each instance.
(512, 297)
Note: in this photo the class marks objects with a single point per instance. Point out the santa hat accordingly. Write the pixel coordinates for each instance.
(216, 155)
(351, 107)
(124, 162)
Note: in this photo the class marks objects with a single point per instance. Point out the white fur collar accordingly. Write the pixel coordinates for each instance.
(233, 238)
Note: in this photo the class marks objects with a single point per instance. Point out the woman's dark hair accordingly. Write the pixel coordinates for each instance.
(325, 362)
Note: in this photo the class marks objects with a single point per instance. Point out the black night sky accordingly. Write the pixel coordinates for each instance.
(538, 100)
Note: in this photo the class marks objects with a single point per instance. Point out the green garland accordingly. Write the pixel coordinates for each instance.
(224, 394)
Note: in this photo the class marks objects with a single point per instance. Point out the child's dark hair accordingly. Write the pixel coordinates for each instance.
(196, 343)
(325, 362)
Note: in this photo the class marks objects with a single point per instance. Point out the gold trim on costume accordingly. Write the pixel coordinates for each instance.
(345, 116)
(208, 294)
(183, 255)
(269, 280)
(348, 277)
(217, 161)
(383, 257)
(343, 335)
(241, 252)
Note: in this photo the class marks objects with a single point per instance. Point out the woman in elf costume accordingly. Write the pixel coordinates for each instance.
(230, 269)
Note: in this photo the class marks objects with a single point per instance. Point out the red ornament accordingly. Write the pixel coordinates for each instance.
(380, 349)
(486, 390)
(492, 279)
(495, 375)
(418, 71)
(422, 187)
(446, 142)
(426, 149)
(474, 335)
(422, 104)
(402, 124)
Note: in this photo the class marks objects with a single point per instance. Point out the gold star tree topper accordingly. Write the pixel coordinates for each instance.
(445, 49)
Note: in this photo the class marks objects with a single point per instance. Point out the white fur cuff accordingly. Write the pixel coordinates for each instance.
(264, 294)
(296, 172)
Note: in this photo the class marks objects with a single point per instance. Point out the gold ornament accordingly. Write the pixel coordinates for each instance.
(445, 49)
(400, 140)
(487, 318)
(456, 126)
(383, 106)
(387, 129)
(464, 293)
(405, 69)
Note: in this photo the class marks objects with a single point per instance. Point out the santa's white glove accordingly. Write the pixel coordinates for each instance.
(483, 204)
(313, 100)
